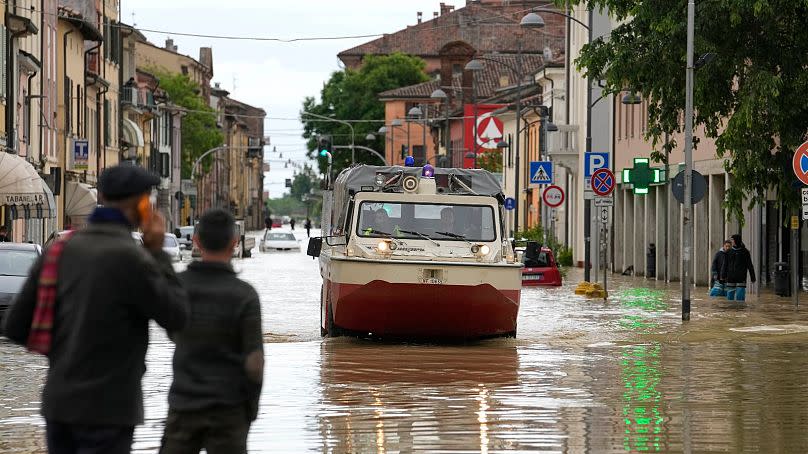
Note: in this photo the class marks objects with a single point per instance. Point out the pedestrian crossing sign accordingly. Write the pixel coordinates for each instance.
(541, 172)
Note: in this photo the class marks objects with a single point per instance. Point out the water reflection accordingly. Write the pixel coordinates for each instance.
(413, 398)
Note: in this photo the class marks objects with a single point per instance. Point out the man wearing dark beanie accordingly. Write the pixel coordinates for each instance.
(87, 304)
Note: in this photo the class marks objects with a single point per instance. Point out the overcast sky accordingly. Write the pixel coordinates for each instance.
(274, 76)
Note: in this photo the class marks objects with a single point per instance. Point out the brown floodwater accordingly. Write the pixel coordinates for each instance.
(582, 376)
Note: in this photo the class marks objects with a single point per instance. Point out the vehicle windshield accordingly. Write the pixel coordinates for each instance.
(277, 236)
(186, 231)
(170, 241)
(436, 221)
(16, 263)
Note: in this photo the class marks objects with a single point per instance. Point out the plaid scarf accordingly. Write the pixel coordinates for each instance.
(40, 336)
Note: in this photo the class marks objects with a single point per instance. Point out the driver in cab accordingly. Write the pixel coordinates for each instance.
(381, 225)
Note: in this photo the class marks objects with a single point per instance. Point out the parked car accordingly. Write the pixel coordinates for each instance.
(171, 246)
(274, 240)
(277, 223)
(185, 236)
(541, 267)
(16, 260)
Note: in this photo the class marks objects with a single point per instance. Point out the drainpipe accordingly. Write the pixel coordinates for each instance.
(42, 156)
(86, 53)
(67, 106)
(98, 106)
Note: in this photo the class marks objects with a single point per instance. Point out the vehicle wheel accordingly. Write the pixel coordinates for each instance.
(333, 329)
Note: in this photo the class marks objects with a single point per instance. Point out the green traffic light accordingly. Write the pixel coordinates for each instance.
(324, 153)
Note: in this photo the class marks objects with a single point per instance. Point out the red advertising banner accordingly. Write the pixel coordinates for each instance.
(490, 130)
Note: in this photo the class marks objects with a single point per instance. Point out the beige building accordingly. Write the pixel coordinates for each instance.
(168, 59)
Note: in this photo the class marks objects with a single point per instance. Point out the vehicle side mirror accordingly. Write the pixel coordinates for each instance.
(177, 233)
(315, 247)
(188, 237)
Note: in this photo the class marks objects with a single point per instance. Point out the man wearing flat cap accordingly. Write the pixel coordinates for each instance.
(87, 304)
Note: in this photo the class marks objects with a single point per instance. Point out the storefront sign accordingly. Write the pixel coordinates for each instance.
(81, 154)
(23, 199)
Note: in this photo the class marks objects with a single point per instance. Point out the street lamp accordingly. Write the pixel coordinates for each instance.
(631, 98)
(370, 137)
(474, 66)
(346, 123)
(534, 20)
(441, 95)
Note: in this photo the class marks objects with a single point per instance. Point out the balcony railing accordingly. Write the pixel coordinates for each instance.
(129, 96)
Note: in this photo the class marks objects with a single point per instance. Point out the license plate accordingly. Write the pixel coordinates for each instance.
(432, 281)
(533, 277)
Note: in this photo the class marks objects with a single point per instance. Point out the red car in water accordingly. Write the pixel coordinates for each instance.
(541, 267)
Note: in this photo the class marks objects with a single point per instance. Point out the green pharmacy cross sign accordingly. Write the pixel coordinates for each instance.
(642, 175)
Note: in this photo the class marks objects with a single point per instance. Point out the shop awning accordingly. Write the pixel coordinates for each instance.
(22, 189)
(132, 134)
(80, 199)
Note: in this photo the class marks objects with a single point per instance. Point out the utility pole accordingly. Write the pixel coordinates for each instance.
(587, 202)
(687, 217)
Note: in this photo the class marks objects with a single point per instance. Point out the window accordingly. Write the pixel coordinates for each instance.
(106, 120)
(3, 61)
(419, 153)
(79, 110)
(68, 106)
(437, 221)
(26, 117)
(184, 70)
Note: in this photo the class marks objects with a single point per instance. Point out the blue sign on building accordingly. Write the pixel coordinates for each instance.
(541, 172)
(81, 154)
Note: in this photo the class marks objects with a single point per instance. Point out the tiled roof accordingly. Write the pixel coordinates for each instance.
(497, 73)
(486, 27)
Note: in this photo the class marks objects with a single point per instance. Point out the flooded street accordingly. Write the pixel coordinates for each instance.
(581, 376)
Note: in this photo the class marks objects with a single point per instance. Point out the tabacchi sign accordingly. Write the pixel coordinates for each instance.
(23, 199)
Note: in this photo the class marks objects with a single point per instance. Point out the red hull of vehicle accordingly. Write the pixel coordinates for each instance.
(549, 277)
(425, 310)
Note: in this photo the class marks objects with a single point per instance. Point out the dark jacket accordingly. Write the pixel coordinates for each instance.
(108, 289)
(225, 326)
(736, 265)
(718, 264)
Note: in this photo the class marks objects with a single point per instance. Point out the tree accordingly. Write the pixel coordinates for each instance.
(199, 130)
(303, 183)
(353, 95)
(750, 98)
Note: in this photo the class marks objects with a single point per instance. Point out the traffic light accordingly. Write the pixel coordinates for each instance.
(324, 145)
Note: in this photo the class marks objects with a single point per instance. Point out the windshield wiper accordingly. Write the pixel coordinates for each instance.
(454, 235)
(421, 235)
(373, 231)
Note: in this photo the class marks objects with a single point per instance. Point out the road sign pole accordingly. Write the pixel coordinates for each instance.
(605, 231)
(688, 206)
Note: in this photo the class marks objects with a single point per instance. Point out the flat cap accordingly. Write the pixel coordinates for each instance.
(124, 181)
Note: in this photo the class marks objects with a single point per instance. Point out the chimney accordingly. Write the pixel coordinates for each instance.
(206, 57)
(444, 8)
(170, 45)
(435, 15)
(420, 17)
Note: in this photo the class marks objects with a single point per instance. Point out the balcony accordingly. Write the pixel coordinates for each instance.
(129, 96)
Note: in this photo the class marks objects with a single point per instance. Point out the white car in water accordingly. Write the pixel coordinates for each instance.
(274, 240)
(171, 246)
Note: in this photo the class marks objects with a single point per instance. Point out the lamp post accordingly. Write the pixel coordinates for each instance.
(687, 212)
(474, 66)
(413, 115)
(533, 20)
(442, 96)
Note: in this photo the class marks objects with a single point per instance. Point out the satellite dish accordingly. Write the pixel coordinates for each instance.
(548, 54)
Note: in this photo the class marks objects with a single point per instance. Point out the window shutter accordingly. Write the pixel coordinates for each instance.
(3, 61)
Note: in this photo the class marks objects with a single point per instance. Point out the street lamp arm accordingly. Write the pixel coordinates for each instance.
(335, 120)
(558, 13)
(200, 158)
(507, 65)
(371, 150)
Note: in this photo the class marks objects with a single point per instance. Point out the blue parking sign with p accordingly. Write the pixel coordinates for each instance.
(595, 161)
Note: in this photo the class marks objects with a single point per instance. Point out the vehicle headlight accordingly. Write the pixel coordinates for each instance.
(383, 246)
(480, 249)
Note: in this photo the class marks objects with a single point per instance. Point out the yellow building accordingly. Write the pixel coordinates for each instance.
(168, 59)
(76, 154)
